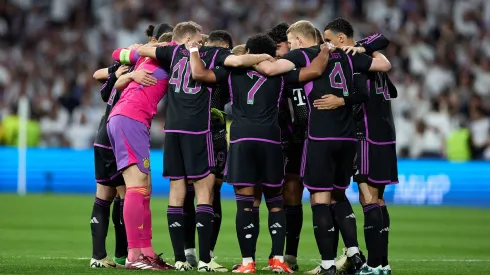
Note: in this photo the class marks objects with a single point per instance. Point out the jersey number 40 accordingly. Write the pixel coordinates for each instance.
(181, 77)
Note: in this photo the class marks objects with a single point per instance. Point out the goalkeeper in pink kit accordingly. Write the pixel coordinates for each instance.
(128, 129)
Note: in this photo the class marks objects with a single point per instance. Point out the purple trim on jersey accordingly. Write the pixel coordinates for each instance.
(382, 181)
(303, 158)
(229, 85)
(211, 66)
(340, 187)
(280, 92)
(105, 83)
(255, 139)
(102, 146)
(225, 170)
(186, 132)
(199, 176)
(331, 138)
(111, 178)
(174, 177)
(209, 143)
(368, 82)
(173, 55)
(309, 85)
(317, 188)
(351, 68)
(380, 143)
(370, 39)
(159, 74)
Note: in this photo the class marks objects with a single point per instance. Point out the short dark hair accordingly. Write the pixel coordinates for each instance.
(161, 29)
(279, 33)
(149, 30)
(319, 37)
(261, 43)
(221, 36)
(340, 25)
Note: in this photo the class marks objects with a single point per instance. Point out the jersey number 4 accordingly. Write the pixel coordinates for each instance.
(342, 84)
(178, 74)
(255, 87)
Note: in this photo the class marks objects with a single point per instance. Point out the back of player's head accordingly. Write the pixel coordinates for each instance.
(220, 38)
(279, 33)
(185, 29)
(239, 50)
(304, 28)
(166, 37)
(340, 25)
(161, 29)
(319, 37)
(261, 43)
(149, 31)
(204, 38)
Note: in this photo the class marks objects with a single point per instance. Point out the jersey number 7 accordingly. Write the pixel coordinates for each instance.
(178, 72)
(255, 87)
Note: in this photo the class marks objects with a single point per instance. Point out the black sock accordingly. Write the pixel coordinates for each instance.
(294, 224)
(99, 224)
(336, 232)
(277, 229)
(189, 218)
(246, 226)
(384, 234)
(324, 230)
(373, 224)
(204, 218)
(256, 229)
(119, 229)
(175, 218)
(346, 221)
(217, 216)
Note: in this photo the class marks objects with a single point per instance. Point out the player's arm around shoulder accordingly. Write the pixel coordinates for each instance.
(142, 77)
(272, 68)
(380, 63)
(318, 65)
(199, 71)
(246, 60)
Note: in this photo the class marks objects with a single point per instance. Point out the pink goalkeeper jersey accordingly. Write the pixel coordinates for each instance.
(139, 102)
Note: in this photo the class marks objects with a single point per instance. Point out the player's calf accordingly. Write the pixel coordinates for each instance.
(175, 218)
(245, 228)
(293, 195)
(99, 224)
(373, 223)
(345, 219)
(190, 226)
(277, 229)
(204, 216)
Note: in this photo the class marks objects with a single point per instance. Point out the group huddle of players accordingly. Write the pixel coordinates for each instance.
(309, 109)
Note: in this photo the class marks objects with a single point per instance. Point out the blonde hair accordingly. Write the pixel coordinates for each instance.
(239, 50)
(185, 28)
(165, 37)
(304, 28)
(204, 38)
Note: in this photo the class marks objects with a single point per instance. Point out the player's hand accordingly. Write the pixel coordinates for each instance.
(192, 44)
(121, 70)
(327, 47)
(328, 102)
(134, 46)
(144, 77)
(354, 50)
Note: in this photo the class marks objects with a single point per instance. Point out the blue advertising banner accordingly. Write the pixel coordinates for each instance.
(422, 182)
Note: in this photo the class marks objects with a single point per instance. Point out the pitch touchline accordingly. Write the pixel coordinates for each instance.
(303, 260)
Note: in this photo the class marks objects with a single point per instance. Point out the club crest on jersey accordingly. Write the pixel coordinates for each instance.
(146, 163)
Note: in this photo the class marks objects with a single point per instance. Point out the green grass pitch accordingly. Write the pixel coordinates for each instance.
(43, 234)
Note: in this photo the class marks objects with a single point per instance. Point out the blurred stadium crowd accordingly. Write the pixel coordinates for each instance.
(440, 52)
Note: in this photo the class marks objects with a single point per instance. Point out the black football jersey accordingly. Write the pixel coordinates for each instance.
(255, 103)
(337, 79)
(111, 96)
(189, 101)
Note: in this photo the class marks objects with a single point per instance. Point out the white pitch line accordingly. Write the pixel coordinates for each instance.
(303, 260)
